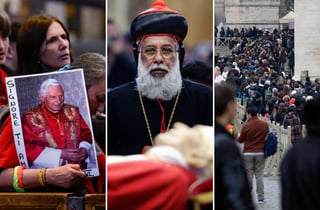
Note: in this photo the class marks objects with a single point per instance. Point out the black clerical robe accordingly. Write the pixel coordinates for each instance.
(127, 129)
(300, 175)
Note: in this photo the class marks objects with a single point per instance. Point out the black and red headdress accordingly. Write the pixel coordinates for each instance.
(159, 20)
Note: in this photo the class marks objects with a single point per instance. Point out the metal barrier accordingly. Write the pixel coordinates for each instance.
(241, 110)
(284, 143)
(222, 42)
(226, 41)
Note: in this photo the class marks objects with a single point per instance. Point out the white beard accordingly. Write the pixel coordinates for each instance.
(164, 88)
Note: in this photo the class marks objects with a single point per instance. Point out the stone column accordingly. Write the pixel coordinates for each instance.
(307, 39)
(218, 11)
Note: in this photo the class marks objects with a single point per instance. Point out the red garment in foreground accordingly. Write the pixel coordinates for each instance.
(3, 88)
(147, 184)
(9, 158)
(8, 153)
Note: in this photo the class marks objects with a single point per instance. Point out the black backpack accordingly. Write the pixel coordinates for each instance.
(271, 144)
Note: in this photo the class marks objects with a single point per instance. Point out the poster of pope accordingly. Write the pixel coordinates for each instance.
(51, 120)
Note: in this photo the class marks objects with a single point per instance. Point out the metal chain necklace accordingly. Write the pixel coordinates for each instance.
(146, 118)
(57, 119)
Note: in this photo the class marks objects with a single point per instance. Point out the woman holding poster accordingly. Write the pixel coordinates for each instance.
(49, 43)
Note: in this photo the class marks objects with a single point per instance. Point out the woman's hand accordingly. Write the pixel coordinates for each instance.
(65, 176)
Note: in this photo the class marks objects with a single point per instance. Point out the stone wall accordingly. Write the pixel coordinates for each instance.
(247, 13)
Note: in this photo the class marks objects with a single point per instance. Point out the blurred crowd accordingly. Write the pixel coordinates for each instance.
(260, 67)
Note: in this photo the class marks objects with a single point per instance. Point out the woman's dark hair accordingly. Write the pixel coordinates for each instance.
(31, 35)
(4, 24)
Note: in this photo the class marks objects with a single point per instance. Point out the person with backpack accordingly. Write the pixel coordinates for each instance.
(253, 134)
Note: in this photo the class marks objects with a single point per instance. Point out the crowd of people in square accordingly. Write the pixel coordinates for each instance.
(260, 71)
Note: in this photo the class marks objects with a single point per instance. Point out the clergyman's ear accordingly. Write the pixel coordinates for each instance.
(41, 98)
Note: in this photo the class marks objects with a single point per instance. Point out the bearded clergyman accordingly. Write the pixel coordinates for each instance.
(159, 97)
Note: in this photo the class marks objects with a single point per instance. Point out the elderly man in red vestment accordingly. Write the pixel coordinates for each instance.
(54, 132)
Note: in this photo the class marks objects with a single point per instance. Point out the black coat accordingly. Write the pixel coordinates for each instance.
(300, 172)
(127, 130)
(231, 183)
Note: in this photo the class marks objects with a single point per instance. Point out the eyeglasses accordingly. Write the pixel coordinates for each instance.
(151, 52)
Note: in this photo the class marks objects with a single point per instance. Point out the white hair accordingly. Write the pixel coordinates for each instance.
(45, 85)
(164, 88)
